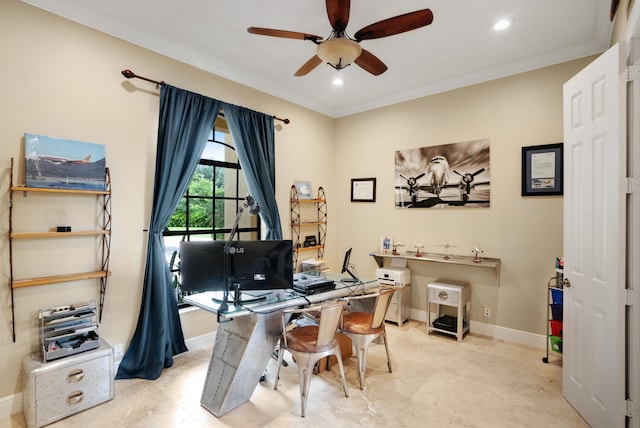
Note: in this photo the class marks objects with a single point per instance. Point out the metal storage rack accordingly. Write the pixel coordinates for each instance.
(69, 330)
(301, 225)
(102, 232)
(555, 297)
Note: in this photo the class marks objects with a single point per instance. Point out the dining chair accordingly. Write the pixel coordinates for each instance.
(364, 327)
(308, 344)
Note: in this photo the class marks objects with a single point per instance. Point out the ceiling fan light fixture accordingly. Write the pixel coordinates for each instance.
(338, 52)
(503, 24)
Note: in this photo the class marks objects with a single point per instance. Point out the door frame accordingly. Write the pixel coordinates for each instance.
(633, 221)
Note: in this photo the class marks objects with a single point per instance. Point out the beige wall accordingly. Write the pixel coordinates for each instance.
(525, 232)
(62, 79)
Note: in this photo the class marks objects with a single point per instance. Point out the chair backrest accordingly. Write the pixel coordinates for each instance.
(329, 318)
(382, 305)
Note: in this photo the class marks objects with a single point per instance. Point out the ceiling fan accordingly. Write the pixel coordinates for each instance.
(340, 50)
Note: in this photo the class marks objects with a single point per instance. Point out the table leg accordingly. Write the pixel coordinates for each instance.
(241, 351)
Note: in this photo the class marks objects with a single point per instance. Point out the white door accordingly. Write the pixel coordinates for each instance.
(594, 240)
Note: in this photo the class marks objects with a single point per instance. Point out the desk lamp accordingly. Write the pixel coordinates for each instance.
(228, 249)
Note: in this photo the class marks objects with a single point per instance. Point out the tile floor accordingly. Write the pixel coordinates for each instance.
(436, 382)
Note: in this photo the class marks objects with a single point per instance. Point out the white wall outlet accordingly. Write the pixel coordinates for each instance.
(487, 312)
(118, 350)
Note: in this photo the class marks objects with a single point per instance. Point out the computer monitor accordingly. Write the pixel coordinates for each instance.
(346, 267)
(261, 265)
(252, 265)
(202, 266)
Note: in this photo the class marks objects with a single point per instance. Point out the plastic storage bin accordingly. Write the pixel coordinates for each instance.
(556, 328)
(556, 344)
(556, 296)
(556, 311)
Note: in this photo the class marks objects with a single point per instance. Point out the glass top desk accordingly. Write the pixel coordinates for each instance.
(246, 337)
(278, 299)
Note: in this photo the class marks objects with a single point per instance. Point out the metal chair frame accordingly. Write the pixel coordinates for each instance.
(363, 328)
(309, 344)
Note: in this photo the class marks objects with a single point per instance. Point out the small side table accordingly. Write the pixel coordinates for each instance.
(449, 293)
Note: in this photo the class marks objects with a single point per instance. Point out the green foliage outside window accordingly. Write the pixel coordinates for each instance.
(201, 210)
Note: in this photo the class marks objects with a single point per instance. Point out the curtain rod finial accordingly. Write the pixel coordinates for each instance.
(128, 74)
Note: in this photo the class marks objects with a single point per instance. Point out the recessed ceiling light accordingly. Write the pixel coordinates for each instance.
(337, 81)
(503, 24)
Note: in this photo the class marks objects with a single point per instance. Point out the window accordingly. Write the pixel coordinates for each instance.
(209, 208)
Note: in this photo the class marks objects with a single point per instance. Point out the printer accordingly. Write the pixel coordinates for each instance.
(395, 276)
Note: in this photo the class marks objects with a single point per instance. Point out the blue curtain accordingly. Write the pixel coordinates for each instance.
(253, 137)
(185, 121)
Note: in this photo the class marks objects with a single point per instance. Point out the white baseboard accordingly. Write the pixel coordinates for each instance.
(10, 404)
(201, 342)
(495, 331)
(509, 334)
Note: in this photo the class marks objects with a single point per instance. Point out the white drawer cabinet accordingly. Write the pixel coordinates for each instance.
(61, 388)
(400, 305)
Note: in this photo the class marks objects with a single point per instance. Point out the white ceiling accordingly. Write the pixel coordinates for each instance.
(459, 48)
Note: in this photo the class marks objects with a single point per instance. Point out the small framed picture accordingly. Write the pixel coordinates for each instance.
(363, 190)
(304, 189)
(542, 170)
(386, 244)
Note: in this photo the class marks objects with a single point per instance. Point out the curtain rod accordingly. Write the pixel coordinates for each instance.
(130, 75)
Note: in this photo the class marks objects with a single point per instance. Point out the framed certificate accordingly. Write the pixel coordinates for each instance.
(363, 190)
(542, 170)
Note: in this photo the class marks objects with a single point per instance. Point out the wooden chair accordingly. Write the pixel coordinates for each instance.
(308, 344)
(364, 327)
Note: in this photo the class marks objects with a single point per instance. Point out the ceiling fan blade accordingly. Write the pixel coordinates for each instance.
(371, 63)
(338, 12)
(398, 24)
(308, 66)
(283, 33)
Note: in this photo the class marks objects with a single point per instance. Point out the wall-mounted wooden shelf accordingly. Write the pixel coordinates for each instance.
(306, 201)
(50, 190)
(18, 235)
(308, 223)
(55, 279)
(313, 247)
(102, 232)
(302, 208)
(485, 262)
